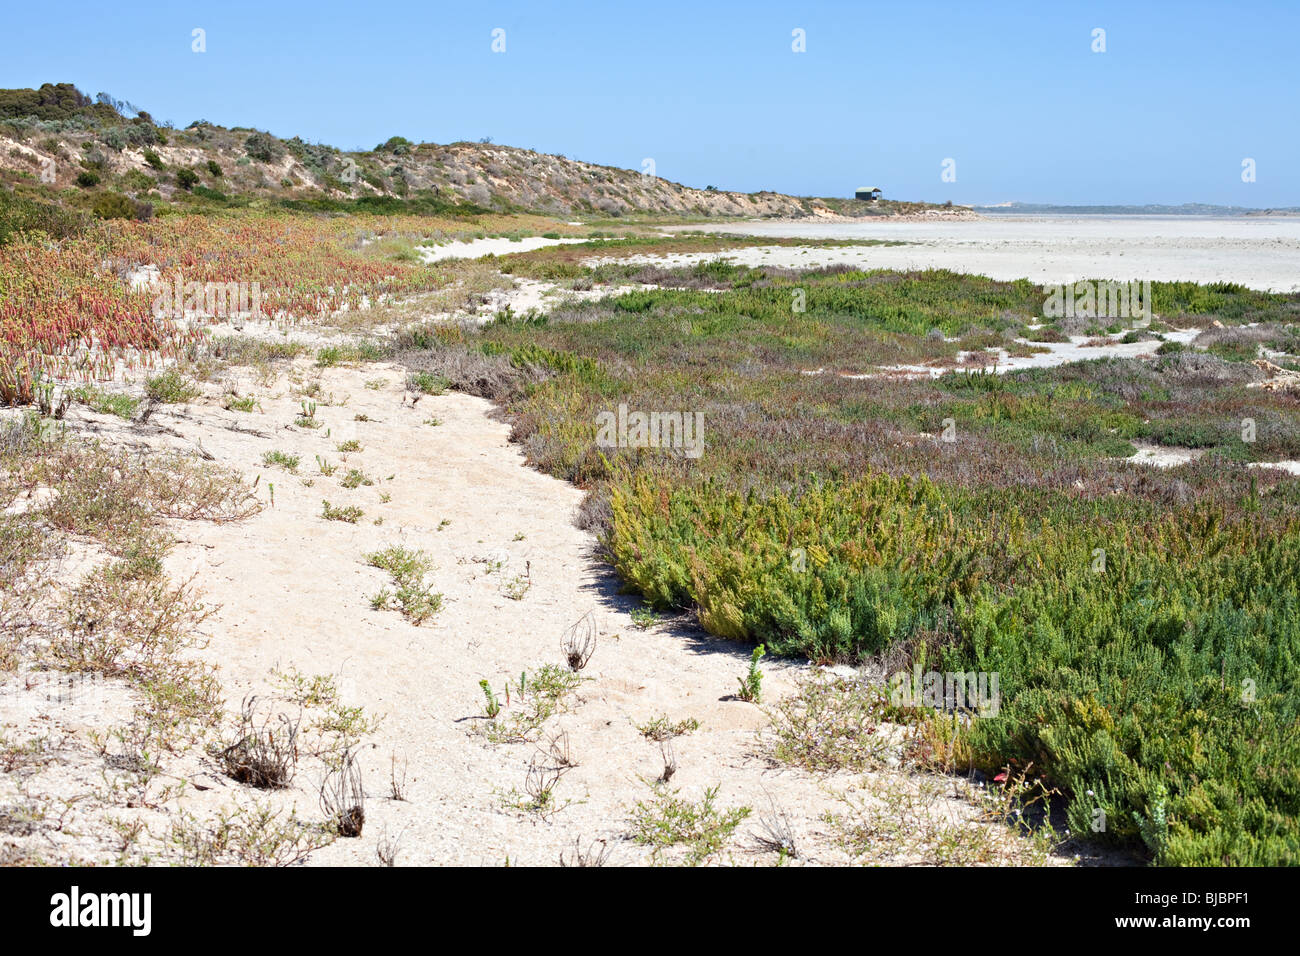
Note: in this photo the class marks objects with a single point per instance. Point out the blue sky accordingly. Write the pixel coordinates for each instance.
(1012, 92)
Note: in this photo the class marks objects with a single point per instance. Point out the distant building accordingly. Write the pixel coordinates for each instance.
(867, 192)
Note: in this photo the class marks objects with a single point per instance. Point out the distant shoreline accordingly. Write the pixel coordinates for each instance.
(1184, 211)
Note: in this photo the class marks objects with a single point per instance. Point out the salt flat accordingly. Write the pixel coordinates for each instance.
(1257, 252)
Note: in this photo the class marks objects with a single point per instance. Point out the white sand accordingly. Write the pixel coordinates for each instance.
(474, 248)
(1258, 252)
(1161, 456)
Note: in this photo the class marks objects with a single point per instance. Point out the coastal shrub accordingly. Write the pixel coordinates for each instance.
(111, 205)
(26, 213)
(263, 147)
(1158, 690)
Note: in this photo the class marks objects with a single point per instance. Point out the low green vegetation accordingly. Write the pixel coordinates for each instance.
(668, 819)
(350, 514)
(106, 402)
(171, 388)
(661, 728)
(428, 384)
(355, 478)
(412, 593)
(352, 353)
(1144, 624)
(280, 459)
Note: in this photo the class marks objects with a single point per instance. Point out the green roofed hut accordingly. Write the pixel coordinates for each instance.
(867, 193)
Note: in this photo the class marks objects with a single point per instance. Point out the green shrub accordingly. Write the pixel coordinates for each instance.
(263, 147)
(350, 514)
(171, 387)
(211, 194)
(428, 383)
(331, 355)
(111, 205)
(138, 181)
(22, 213)
(398, 145)
(1163, 685)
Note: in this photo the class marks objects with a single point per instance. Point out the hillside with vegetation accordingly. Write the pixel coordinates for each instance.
(124, 163)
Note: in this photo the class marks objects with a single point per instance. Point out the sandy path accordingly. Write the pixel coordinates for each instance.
(294, 592)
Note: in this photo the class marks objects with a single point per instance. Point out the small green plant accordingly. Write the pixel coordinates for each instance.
(355, 478)
(428, 383)
(351, 513)
(349, 446)
(661, 728)
(308, 417)
(413, 595)
(644, 617)
(493, 705)
(325, 467)
(240, 403)
(669, 820)
(279, 459)
(107, 403)
(544, 774)
(376, 384)
(518, 586)
(171, 388)
(536, 700)
(751, 685)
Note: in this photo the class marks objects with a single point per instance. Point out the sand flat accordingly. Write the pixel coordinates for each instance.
(1260, 252)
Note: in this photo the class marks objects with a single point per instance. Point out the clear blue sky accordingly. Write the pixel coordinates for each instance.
(714, 94)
